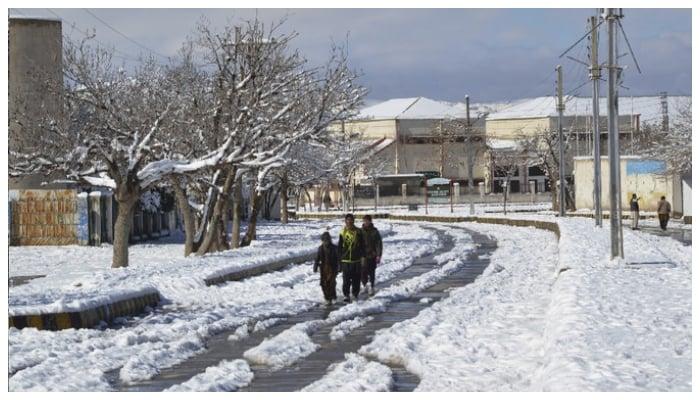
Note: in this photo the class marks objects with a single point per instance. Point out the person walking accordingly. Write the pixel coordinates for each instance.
(327, 261)
(664, 211)
(351, 247)
(634, 208)
(373, 248)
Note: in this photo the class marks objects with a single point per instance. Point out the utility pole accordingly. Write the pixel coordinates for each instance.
(470, 158)
(560, 109)
(595, 76)
(616, 248)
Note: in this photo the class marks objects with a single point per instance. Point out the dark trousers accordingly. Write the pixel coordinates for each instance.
(351, 277)
(663, 220)
(368, 271)
(328, 283)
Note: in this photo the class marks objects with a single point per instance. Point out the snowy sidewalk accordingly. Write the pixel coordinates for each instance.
(619, 325)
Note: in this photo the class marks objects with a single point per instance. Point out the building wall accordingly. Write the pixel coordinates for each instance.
(687, 197)
(45, 217)
(648, 186)
(426, 157)
(510, 128)
(375, 129)
(35, 57)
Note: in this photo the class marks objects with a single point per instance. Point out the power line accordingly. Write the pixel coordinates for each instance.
(124, 56)
(124, 35)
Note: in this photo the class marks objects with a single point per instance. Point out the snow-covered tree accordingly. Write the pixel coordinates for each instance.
(543, 148)
(109, 130)
(266, 100)
(672, 145)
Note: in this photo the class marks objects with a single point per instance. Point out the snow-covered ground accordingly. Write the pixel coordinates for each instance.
(78, 359)
(544, 315)
(486, 336)
(560, 318)
(79, 276)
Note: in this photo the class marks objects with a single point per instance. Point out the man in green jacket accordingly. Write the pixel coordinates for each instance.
(373, 249)
(351, 248)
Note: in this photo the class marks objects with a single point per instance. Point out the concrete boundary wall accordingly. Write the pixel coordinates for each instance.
(259, 270)
(87, 318)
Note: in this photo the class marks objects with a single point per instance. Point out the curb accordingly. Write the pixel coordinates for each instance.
(259, 270)
(86, 318)
(135, 305)
(549, 226)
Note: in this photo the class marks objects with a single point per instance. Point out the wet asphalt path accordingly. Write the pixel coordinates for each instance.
(315, 365)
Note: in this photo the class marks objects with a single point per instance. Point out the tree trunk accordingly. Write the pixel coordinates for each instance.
(252, 222)
(505, 196)
(236, 223)
(308, 200)
(214, 226)
(284, 198)
(188, 219)
(122, 229)
(322, 198)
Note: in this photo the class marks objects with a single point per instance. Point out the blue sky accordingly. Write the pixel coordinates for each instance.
(491, 54)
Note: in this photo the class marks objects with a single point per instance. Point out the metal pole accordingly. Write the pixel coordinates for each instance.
(376, 196)
(452, 208)
(470, 161)
(616, 249)
(426, 197)
(562, 173)
(595, 76)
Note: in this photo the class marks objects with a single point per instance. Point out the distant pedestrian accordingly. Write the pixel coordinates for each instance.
(327, 261)
(634, 208)
(664, 212)
(351, 247)
(373, 248)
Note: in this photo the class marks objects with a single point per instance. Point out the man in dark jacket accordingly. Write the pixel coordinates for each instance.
(327, 260)
(373, 248)
(351, 248)
(634, 208)
(664, 212)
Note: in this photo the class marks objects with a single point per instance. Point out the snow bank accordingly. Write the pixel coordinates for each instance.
(285, 348)
(344, 328)
(227, 376)
(355, 374)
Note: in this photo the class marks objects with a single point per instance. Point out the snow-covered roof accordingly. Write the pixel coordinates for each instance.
(648, 107)
(424, 108)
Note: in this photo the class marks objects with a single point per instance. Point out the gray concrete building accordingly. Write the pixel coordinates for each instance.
(35, 77)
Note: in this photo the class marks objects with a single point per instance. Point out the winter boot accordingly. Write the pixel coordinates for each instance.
(371, 290)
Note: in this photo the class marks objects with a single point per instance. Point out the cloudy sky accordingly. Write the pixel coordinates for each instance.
(491, 54)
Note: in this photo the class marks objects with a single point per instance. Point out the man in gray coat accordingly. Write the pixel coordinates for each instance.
(664, 212)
